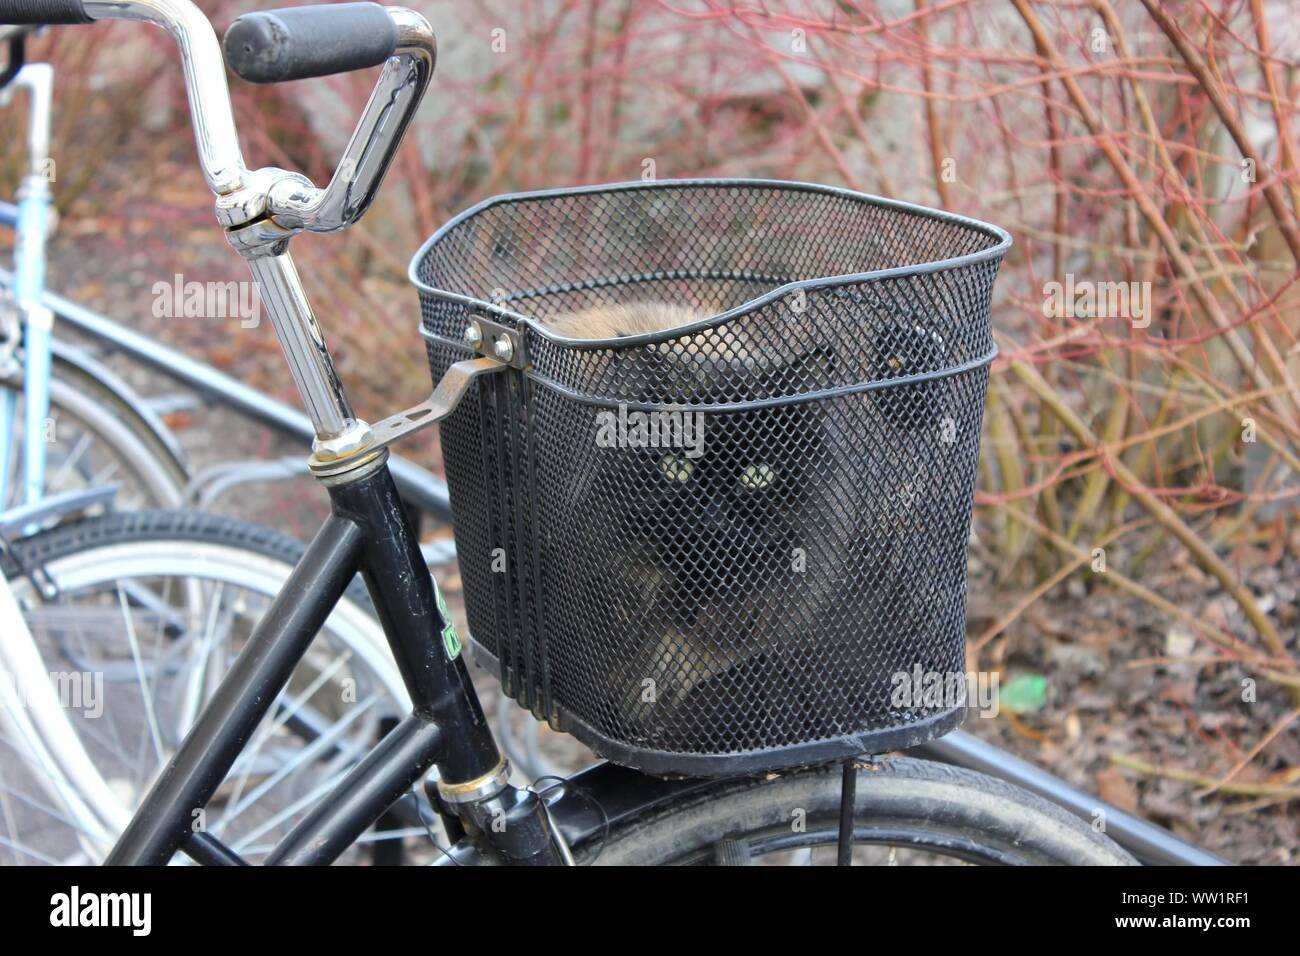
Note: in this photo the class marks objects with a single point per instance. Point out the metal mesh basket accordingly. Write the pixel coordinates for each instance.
(747, 604)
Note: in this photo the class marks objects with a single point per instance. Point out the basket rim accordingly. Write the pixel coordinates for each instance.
(837, 391)
(725, 763)
(996, 251)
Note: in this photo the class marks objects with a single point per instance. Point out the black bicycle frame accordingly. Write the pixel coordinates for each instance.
(369, 531)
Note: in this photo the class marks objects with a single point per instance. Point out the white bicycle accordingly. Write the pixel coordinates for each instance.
(114, 631)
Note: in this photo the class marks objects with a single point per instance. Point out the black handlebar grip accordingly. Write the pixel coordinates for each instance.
(42, 11)
(298, 42)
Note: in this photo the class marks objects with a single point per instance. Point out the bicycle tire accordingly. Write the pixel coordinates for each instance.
(899, 802)
(139, 526)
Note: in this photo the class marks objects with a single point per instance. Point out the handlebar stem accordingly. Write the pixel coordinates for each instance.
(38, 80)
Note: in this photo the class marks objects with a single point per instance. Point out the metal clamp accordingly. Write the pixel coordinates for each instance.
(482, 788)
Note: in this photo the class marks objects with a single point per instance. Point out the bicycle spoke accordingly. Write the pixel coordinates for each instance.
(64, 630)
(273, 726)
(151, 714)
(199, 652)
(11, 825)
(105, 475)
(309, 752)
(46, 813)
(67, 466)
(17, 848)
(43, 808)
(309, 799)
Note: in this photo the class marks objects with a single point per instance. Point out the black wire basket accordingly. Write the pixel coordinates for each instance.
(726, 547)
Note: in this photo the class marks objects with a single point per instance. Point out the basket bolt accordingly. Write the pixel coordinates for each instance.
(503, 348)
(474, 334)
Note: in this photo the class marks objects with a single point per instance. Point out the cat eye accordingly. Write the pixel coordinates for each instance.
(676, 467)
(757, 477)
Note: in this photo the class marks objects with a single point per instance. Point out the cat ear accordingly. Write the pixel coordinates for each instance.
(674, 370)
(904, 350)
(807, 372)
(907, 348)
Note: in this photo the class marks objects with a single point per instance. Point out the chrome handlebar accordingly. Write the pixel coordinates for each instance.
(370, 151)
(262, 209)
(291, 201)
(205, 82)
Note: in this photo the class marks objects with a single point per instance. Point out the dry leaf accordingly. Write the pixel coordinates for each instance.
(1117, 789)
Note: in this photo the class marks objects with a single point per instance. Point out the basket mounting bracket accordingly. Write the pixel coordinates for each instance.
(442, 402)
(496, 340)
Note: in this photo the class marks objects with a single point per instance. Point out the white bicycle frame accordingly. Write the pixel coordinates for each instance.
(37, 721)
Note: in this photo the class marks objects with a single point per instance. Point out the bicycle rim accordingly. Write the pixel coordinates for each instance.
(88, 446)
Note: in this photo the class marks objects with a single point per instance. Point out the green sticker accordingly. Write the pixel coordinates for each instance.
(450, 641)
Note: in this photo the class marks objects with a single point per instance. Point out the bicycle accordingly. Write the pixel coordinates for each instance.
(182, 588)
(127, 624)
(609, 813)
(53, 396)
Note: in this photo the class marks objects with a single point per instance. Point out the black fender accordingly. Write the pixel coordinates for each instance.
(592, 801)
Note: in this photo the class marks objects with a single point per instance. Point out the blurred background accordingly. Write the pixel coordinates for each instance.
(1135, 558)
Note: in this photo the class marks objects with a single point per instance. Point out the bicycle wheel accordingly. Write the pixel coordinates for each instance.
(95, 440)
(906, 812)
(150, 608)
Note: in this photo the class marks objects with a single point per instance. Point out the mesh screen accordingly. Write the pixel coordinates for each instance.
(727, 539)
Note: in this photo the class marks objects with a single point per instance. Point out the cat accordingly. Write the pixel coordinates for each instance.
(711, 551)
(622, 320)
(719, 583)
